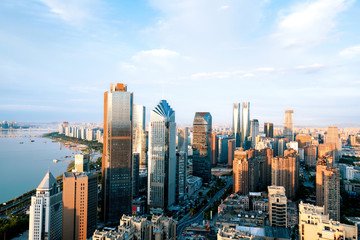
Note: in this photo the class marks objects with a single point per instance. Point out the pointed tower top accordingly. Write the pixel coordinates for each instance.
(47, 183)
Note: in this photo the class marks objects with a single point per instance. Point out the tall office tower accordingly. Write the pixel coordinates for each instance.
(138, 121)
(80, 198)
(254, 131)
(269, 130)
(264, 157)
(231, 150)
(289, 126)
(332, 136)
(162, 157)
(181, 167)
(223, 155)
(202, 145)
(46, 210)
(285, 172)
(328, 187)
(310, 156)
(82, 162)
(183, 140)
(117, 153)
(236, 125)
(246, 172)
(277, 206)
(214, 148)
(280, 146)
(303, 140)
(314, 223)
(245, 125)
(136, 174)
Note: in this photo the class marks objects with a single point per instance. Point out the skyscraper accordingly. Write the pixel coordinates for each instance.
(82, 162)
(117, 153)
(236, 124)
(269, 130)
(138, 121)
(332, 137)
(254, 131)
(289, 126)
(162, 156)
(183, 140)
(181, 161)
(246, 172)
(214, 148)
(46, 210)
(231, 150)
(79, 205)
(202, 145)
(285, 172)
(245, 125)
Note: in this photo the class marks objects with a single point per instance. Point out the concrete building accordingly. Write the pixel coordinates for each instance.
(277, 206)
(162, 157)
(310, 154)
(254, 131)
(285, 172)
(332, 136)
(82, 162)
(117, 153)
(80, 200)
(236, 125)
(327, 149)
(183, 140)
(269, 130)
(328, 187)
(264, 158)
(303, 140)
(181, 174)
(289, 126)
(136, 174)
(214, 148)
(347, 171)
(202, 145)
(314, 223)
(223, 155)
(45, 220)
(193, 184)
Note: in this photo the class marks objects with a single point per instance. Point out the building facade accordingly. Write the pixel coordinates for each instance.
(254, 131)
(245, 126)
(269, 130)
(236, 124)
(277, 206)
(162, 157)
(117, 153)
(202, 128)
(138, 121)
(289, 126)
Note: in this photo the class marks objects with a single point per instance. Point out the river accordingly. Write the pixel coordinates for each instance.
(23, 163)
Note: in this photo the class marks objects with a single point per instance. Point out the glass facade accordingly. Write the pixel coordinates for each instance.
(245, 126)
(236, 124)
(202, 155)
(117, 153)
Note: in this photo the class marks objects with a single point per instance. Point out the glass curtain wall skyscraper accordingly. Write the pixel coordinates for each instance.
(139, 133)
(117, 153)
(162, 157)
(202, 145)
(236, 125)
(289, 126)
(254, 131)
(245, 125)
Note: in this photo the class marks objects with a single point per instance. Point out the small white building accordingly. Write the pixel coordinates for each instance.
(347, 171)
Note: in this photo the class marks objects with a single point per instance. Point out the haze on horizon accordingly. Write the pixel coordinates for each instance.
(58, 57)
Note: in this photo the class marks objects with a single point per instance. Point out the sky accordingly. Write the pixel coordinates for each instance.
(58, 57)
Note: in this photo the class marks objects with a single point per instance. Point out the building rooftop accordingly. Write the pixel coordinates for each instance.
(47, 182)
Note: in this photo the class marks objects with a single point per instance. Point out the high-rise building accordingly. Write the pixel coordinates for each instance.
(327, 149)
(79, 205)
(254, 131)
(289, 126)
(46, 210)
(162, 157)
(214, 148)
(202, 146)
(310, 153)
(285, 172)
(183, 140)
(328, 187)
(223, 155)
(181, 167)
(332, 136)
(236, 124)
(277, 206)
(245, 125)
(314, 223)
(231, 150)
(246, 172)
(117, 153)
(136, 174)
(269, 130)
(82, 162)
(138, 121)
(264, 157)
(303, 140)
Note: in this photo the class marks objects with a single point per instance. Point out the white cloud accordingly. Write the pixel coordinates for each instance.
(73, 12)
(310, 23)
(224, 7)
(350, 51)
(156, 53)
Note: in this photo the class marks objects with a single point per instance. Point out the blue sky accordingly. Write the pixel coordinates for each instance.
(57, 57)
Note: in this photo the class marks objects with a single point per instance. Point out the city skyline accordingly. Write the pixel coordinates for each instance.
(78, 48)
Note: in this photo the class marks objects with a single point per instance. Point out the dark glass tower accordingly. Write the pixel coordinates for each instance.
(202, 145)
(117, 153)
